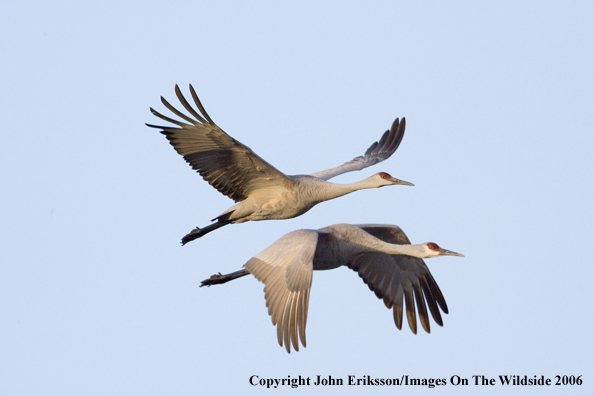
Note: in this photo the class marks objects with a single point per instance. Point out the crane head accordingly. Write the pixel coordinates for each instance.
(433, 250)
(386, 180)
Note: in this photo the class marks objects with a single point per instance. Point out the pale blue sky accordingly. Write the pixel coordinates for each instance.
(99, 298)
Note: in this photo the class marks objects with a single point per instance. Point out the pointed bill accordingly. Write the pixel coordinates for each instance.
(402, 182)
(444, 252)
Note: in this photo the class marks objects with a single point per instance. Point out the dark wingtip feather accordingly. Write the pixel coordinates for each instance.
(398, 127)
(422, 309)
(199, 104)
(371, 149)
(398, 316)
(384, 138)
(411, 315)
(430, 299)
(187, 106)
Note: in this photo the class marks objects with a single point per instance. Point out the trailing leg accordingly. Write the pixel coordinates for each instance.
(218, 279)
(199, 232)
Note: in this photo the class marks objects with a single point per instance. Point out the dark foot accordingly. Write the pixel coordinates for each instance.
(194, 234)
(213, 280)
(199, 232)
(218, 278)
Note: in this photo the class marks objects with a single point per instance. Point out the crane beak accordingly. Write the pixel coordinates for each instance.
(404, 183)
(444, 252)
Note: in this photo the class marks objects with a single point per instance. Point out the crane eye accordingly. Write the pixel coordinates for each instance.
(432, 246)
(384, 175)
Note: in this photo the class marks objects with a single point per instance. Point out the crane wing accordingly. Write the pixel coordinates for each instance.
(395, 278)
(285, 268)
(377, 152)
(228, 165)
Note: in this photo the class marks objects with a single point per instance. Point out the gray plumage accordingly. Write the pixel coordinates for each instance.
(382, 256)
(261, 191)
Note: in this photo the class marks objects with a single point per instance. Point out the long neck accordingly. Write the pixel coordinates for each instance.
(409, 250)
(346, 241)
(326, 190)
(367, 242)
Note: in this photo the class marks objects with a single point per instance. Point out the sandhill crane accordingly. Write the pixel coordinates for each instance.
(381, 254)
(261, 191)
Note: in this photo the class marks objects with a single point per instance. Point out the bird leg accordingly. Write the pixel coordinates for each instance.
(199, 232)
(219, 278)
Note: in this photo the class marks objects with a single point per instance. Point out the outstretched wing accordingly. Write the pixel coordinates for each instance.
(229, 166)
(386, 232)
(377, 152)
(394, 278)
(285, 268)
